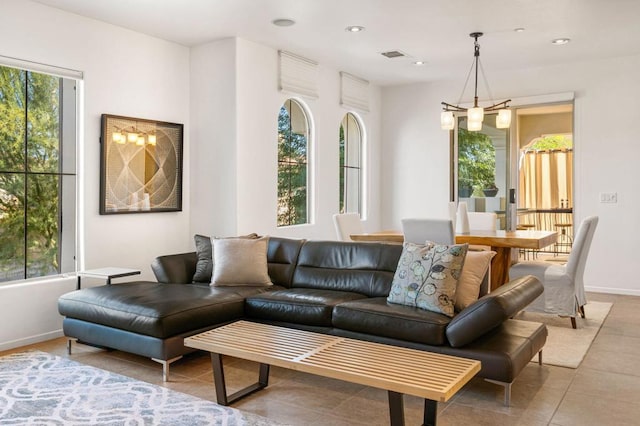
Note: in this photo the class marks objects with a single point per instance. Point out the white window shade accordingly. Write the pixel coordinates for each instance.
(354, 92)
(41, 68)
(298, 75)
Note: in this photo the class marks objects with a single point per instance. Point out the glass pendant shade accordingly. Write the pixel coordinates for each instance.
(132, 137)
(474, 126)
(152, 139)
(447, 121)
(140, 141)
(476, 114)
(503, 120)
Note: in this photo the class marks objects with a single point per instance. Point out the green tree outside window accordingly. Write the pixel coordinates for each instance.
(30, 174)
(476, 163)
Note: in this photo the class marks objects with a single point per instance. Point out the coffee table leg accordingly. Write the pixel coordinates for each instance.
(221, 388)
(430, 412)
(218, 379)
(396, 408)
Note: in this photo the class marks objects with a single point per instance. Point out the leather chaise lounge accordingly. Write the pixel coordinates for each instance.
(337, 288)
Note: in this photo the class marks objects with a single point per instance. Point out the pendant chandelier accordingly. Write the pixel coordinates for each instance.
(475, 115)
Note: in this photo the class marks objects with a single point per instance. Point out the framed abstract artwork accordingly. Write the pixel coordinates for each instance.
(140, 165)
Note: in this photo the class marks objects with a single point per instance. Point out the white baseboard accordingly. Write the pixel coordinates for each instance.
(4, 346)
(610, 290)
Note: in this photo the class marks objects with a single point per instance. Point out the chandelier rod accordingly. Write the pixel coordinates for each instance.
(476, 54)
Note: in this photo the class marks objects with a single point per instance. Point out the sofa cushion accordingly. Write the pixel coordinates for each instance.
(427, 276)
(492, 310)
(297, 305)
(282, 256)
(378, 317)
(365, 268)
(158, 310)
(240, 262)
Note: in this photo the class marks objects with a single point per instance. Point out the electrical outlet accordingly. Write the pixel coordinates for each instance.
(608, 197)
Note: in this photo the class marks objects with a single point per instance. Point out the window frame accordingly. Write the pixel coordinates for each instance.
(66, 173)
(308, 124)
(343, 205)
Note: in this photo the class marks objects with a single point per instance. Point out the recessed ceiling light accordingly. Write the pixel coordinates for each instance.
(561, 40)
(418, 63)
(519, 30)
(354, 29)
(283, 22)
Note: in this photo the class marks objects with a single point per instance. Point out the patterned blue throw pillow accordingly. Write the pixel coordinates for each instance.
(427, 276)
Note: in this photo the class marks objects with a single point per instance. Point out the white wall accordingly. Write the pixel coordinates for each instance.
(213, 132)
(415, 170)
(415, 167)
(128, 74)
(248, 203)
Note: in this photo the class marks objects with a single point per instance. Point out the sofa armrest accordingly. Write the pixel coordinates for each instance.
(175, 268)
(492, 310)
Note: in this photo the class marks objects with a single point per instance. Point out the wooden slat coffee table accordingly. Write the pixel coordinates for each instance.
(431, 376)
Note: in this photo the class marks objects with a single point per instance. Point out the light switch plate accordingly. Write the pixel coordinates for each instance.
(608, 197)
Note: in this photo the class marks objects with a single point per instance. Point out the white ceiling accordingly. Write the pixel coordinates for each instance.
(430, 30)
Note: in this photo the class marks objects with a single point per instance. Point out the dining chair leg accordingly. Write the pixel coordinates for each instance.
(581, 311)
(573, 323)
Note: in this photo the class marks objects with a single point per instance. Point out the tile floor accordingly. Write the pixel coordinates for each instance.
(602, 391)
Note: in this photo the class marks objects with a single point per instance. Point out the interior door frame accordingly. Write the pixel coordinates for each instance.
(514, 175)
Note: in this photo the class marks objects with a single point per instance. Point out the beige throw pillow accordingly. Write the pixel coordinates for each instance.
(475, 268)
(239, 261)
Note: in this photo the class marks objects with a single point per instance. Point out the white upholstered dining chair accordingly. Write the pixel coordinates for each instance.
(347, 224)
(563, 284)
(418, 231)
(482, 221)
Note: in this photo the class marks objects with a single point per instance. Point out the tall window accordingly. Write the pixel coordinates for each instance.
(293, 133)
(37, 174)
(350, 165)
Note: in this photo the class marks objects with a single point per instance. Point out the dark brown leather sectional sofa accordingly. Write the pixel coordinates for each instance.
(337, 288)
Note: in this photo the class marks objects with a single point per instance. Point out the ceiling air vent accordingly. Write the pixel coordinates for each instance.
(393, 54)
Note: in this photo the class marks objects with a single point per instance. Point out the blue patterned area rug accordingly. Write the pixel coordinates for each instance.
(38, 388)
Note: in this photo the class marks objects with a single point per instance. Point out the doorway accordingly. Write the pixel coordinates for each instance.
(544, 173)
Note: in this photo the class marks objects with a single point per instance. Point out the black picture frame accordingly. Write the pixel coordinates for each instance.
(141, 175)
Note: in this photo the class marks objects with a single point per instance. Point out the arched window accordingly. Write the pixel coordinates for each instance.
(350, 165)
(293, 144)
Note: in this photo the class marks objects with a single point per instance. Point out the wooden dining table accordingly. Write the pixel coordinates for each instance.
(500, 241)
